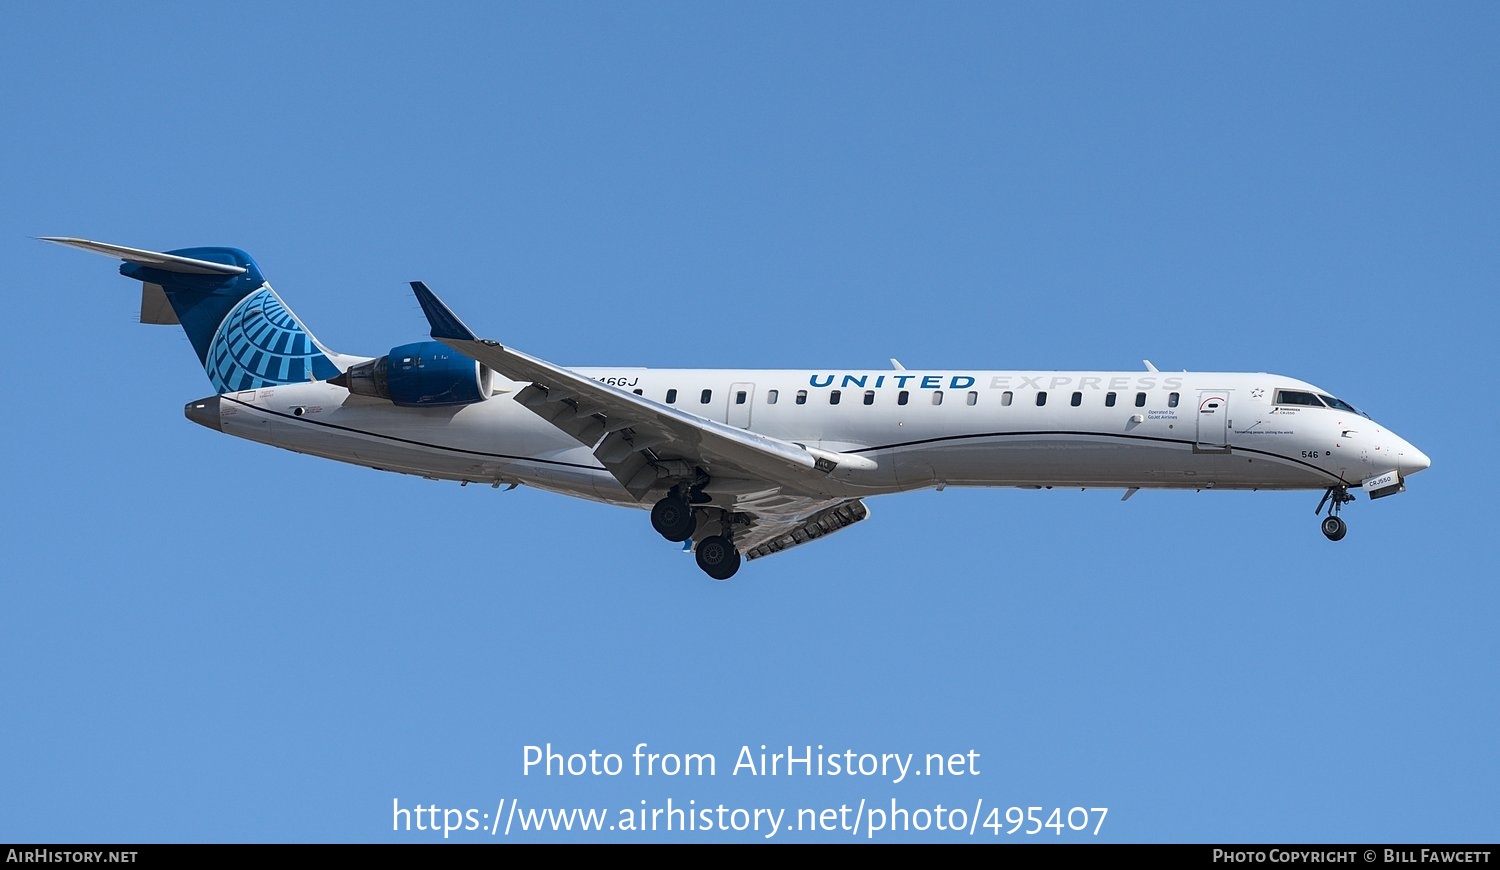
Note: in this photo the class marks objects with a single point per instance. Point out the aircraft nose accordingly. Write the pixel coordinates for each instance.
(1411, 460)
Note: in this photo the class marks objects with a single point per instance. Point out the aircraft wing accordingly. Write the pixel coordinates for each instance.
(638, 440)
(767, 535)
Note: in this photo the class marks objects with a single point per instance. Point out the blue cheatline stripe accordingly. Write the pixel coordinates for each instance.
(1174, 441)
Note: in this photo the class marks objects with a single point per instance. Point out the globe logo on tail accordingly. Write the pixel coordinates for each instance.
(260, 344)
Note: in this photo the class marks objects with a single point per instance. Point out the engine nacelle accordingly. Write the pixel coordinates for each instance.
(422, 374)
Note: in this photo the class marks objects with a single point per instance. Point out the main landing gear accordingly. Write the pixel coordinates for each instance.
(1334, 527)
(675, 518)
(717, 557)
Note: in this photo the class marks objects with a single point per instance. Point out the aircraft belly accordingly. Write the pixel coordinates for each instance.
(913, 469)
(465, 443)
(1073, 460)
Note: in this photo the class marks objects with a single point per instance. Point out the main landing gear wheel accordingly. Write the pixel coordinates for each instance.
(674, 519)
(717, 557)
(1334, 527)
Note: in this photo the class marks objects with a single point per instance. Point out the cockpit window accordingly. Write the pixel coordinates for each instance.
(1297, 397)
(1340, 404)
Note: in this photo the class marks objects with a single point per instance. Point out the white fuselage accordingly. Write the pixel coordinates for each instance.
(1185, 430)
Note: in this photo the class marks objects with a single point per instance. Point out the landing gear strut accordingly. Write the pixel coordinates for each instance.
(717, 557)
(1334, 527)
(675, 518)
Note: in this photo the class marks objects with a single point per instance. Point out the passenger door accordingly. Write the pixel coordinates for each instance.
(741, 398)
(1213, 421)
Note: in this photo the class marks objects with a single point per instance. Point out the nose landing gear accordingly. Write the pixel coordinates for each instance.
(1334, 527)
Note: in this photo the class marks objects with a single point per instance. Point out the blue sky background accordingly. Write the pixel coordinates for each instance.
(210, 640)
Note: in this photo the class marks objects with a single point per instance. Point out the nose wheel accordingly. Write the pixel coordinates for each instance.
(1333, 526)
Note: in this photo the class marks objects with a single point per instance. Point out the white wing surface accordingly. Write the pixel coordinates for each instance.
(784, 490)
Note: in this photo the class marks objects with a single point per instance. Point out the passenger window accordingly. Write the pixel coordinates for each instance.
(771, 397)
(802, 397)
(708, 396)
(833, 397)
(1077, 399)
(869, 397)
(638, 391)
(1041, 398)
(1140, 400)
(739, 397)
(973, 398)
(1006, 397)
(671, 397)
(1109, 400)
(937, 397)
(902, 397)
(1172, 400)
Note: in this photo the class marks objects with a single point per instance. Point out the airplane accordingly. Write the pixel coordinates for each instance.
(740, 464)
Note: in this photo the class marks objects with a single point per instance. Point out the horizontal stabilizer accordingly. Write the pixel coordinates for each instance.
(154, 259)
(243, 333)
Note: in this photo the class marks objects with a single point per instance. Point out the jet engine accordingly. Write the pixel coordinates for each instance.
(422, 374)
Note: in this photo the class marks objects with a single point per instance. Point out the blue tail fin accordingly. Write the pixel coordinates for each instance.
(244, 335)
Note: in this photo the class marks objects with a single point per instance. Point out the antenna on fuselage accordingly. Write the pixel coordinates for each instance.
(896, 364)
(1150, 366)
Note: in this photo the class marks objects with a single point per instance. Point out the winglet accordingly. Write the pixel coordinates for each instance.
(444, 323)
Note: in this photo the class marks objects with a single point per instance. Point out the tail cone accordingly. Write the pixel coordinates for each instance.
(204, 412)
